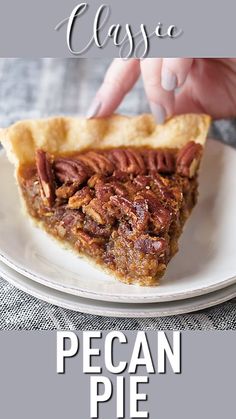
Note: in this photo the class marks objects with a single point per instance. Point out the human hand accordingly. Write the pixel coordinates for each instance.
(207, 85)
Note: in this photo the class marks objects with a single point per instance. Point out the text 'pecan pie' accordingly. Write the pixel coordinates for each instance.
(117, 190)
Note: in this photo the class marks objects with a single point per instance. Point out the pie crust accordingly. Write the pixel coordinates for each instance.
(130, 259)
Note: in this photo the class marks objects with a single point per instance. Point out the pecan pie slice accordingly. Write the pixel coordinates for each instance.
(117, 190)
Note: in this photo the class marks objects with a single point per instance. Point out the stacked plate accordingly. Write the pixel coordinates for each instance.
(201, 275)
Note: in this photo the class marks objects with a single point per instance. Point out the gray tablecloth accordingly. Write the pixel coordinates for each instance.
(37, 88)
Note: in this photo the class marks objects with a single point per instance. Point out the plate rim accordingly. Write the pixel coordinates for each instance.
(88, 306)
(93, 295)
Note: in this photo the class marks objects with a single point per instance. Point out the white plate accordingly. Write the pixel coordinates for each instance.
(114, 309)
(206, 260)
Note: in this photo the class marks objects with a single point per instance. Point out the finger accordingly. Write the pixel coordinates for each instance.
(161, 102)
(119, 79)
(174, 72)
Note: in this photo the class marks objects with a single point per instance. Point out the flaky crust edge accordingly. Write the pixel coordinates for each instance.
(67, 134)
(59, 135)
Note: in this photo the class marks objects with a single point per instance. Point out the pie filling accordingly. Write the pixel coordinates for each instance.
(125, 208)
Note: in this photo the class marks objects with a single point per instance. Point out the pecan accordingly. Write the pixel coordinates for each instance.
(188, 159)
(160, 216)
(122, 203)
(151, 245)
(93, 180)
(165, 162)
(118, 188)
(137, 212)
(67, 190)
(162, 188)
(80, 198)
(71, 170)
(46, 178)
(120, 159)
(151, 160)
(103, 191)
(161, 161)
(136, 162)
(128, 161)
(131, 188)
(96, 211)
(97, 162)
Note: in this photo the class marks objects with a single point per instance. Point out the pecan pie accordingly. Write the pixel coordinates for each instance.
(117, 190)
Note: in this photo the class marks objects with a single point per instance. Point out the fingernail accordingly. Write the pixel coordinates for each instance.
(168, 80)
(158, 112)
(93, 109)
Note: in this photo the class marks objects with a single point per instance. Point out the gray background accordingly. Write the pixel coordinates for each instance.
(206, 34)
(204, 389)
(39, 87)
